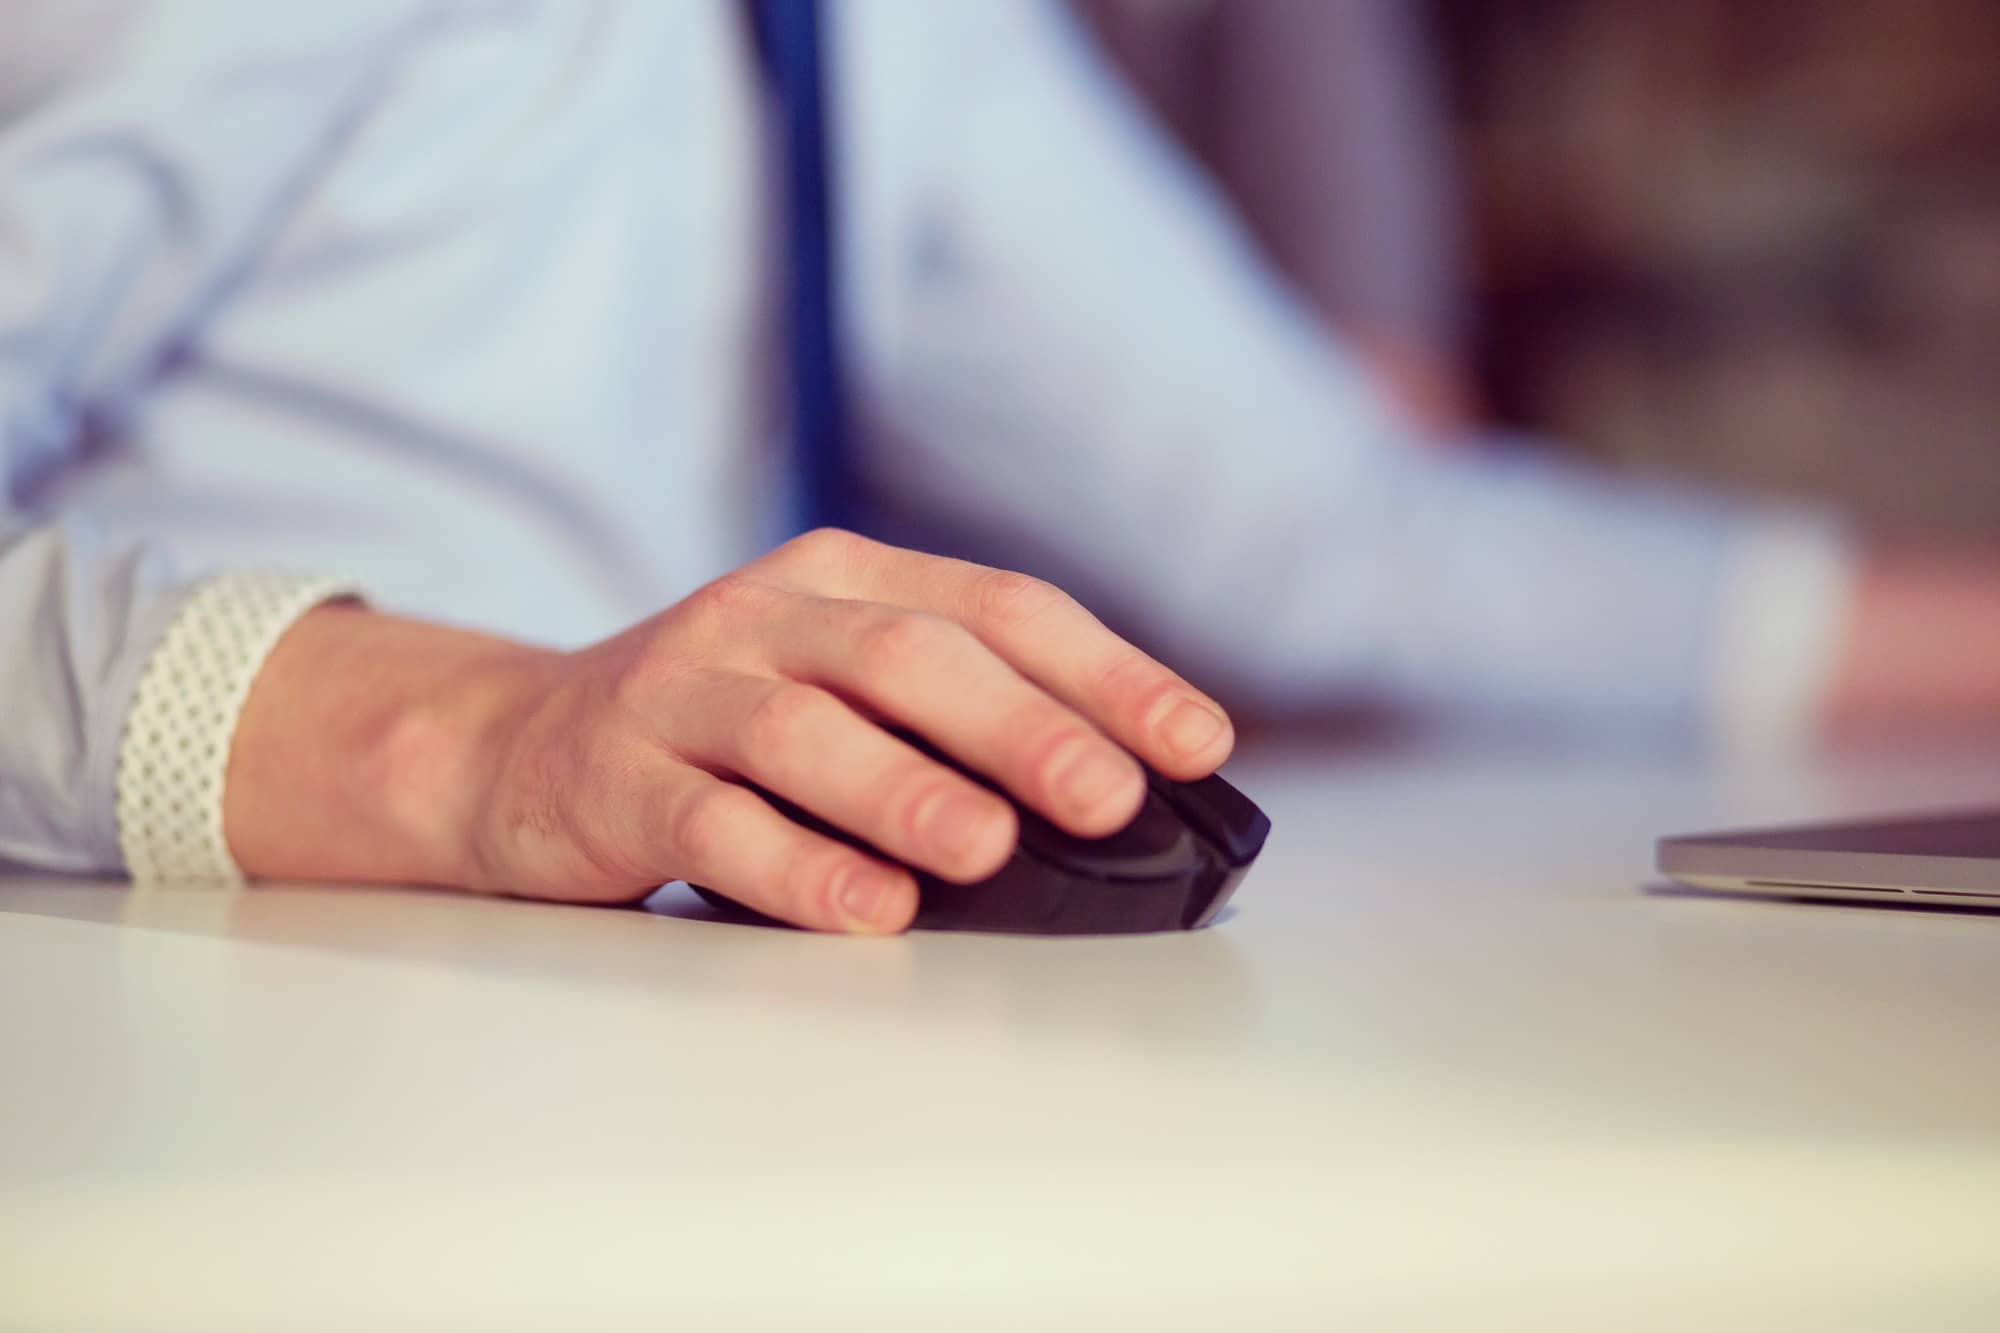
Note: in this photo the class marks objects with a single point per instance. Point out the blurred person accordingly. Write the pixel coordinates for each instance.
(1325, 125)
(476, 305)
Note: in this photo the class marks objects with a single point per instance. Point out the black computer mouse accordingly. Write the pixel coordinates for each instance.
(1171, 868)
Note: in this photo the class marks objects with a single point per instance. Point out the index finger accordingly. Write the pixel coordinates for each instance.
(1049, 637)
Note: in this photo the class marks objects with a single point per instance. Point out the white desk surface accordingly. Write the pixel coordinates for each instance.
(1446, 1066)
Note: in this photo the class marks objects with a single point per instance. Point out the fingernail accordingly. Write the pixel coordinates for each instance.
(1190, 728)
(1095, 779)
(958, 826)
(869, 897)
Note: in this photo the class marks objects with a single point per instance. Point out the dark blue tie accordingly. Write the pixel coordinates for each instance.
(788, 40)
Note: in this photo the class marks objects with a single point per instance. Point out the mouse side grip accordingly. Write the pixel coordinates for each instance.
(1222, 815)
(1037, 896)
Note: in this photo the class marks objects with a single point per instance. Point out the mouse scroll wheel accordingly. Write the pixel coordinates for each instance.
(1156, 844)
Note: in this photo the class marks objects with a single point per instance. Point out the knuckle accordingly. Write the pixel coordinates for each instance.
(711, 612)
(1055, 747)
(700, 826)
(910, 798)
(1135, 680)
(891, 643)
(811, 881)
(1003, 598)
(822, 548)
(779, 721)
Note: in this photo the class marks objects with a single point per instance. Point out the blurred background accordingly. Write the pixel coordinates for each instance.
(1756, 244)
(1750, 247)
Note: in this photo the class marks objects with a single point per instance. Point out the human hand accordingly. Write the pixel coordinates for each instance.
(1432, 393)
(1921, 651)
(600, 774)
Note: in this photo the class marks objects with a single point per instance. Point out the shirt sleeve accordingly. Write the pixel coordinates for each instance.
(123, 698)
(1068, 347)
(133, 191)
(175, 751)
(1785, 603)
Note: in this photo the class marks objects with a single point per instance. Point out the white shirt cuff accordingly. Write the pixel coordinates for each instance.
(1785, 604)
(175, 752)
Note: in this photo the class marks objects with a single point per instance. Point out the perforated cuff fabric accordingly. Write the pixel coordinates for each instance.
(175, 751)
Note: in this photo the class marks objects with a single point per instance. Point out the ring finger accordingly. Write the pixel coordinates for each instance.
(728, 839)
(804, 744)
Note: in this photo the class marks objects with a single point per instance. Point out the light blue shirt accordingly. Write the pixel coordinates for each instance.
(467, 299)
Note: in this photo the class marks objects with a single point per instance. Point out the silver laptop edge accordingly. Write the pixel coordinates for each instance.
(1734, 862)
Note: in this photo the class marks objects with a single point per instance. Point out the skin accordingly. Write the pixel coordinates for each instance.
(1922, 647)
(375, 748)
(1430, 392)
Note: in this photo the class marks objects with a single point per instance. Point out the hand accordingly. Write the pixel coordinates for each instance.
(1922, 647)
(600, 774)
(1431, 392)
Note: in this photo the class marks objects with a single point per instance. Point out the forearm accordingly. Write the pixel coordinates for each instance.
(365, 749)
(1226, 476)
(1105, 374)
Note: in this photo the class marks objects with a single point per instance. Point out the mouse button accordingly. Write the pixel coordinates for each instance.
(1155, 844)
(1222, 815)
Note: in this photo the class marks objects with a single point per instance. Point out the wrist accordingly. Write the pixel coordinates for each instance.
(367, 746)
(432, 762)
